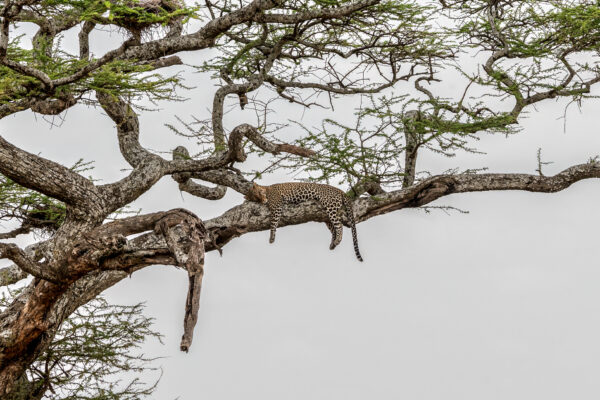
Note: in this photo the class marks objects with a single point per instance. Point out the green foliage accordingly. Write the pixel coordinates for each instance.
(29, 207)
(402, 29)
(577, 25)
(122, 78)
(374, 148)
(540, 34)
(130, 13)
(14, 86)
(94, 349)
(119, 78)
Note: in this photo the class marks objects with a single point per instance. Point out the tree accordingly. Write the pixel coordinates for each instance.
(526, 52)
(93, 346)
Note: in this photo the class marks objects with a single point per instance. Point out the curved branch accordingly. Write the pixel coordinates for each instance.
(236, 149)
(128, 129)
(22, 260)
(235, 152)
(253, 82)
(187, 185)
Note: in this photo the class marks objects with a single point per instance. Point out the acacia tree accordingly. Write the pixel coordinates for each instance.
(525, 52)
(98, 344)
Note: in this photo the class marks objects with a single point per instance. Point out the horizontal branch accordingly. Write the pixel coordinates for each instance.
(442, 185)
(16, 232)
(252, 217)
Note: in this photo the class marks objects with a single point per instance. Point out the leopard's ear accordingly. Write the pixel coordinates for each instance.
(252, 193)
(263, 194)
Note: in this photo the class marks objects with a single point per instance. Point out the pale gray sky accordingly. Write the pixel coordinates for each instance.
(499, 303)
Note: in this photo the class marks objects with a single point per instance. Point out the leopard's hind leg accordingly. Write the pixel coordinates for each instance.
(336, 228)
(333, 235)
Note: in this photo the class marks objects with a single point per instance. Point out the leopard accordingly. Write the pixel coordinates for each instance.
(331, 198)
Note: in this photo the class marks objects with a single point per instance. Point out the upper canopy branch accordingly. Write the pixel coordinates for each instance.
(235, 151)
(203, 38)
(149, 167)
(324, 13)
(253, 82)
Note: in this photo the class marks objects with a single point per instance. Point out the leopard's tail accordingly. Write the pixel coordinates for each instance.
(350, 214)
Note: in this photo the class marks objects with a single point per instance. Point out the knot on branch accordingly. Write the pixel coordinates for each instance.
(181, 153)
(370, 186)
(185, 234)
(89, 252)
(433, 190)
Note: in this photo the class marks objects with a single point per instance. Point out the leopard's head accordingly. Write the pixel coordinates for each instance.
(257, 193)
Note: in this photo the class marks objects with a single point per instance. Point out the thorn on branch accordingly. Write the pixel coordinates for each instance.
(541, 163)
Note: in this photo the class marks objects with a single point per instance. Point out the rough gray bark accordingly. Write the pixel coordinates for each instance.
(86, 255)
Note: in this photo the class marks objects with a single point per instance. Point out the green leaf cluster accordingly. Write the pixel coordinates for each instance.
(133, 15)
(94, 355)
(29, 207)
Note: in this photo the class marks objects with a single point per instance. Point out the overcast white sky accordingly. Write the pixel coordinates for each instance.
(499, 303)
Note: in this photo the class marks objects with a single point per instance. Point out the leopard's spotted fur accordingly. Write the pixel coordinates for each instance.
(333, 199)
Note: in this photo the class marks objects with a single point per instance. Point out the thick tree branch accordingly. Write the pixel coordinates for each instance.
(203, 38)
(438, 186)
(252, 217)
(47, 177)
(128, 129)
